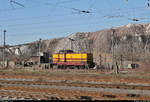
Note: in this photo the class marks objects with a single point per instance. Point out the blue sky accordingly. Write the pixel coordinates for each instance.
(48, 19)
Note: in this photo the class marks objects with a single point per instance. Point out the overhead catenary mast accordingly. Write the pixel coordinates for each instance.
(114, 62)
(4, 49)
(39, 51)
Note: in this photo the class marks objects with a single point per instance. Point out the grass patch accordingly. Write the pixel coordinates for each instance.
(70, 73)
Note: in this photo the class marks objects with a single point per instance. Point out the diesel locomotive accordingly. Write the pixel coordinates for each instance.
(68, 58)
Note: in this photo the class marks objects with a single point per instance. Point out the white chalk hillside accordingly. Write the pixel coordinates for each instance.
(126, 37)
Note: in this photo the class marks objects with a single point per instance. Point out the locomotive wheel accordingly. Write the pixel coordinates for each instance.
(64, 66)
(71, 67)
(81, 67)
(78, 67)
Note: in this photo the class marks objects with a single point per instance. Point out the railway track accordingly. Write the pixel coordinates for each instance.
(27, 95)
(90, 89)
(75, 84)
(24, 93)
(27, 89)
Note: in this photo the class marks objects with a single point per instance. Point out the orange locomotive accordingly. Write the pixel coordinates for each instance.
(68, 58)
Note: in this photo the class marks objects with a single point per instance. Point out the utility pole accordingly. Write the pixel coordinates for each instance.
(39, 51)
(115, 66)
(121, 61)
(4, 49)
(113, 47)
(133, 49)
(100, 60)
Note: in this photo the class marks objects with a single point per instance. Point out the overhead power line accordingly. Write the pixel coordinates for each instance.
(136, 19)
(53, 4)
(40, 4)
(14, 2)
(82, 11)
(28, 7)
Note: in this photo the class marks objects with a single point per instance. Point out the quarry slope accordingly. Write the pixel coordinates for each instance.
(128, 39)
